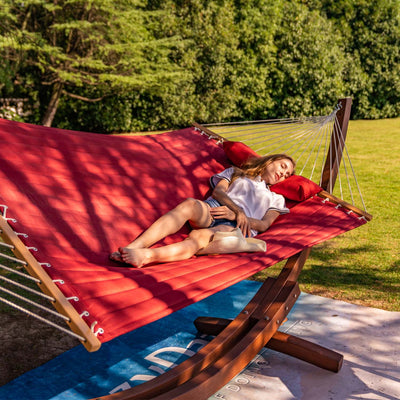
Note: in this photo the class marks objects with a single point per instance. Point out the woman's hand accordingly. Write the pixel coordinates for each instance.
(222, 212)
(230, 210)
(243, 223)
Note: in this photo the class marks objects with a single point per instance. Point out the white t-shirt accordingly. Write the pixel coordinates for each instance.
(252, 195)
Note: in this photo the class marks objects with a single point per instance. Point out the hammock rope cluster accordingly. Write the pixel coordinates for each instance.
(307, 140)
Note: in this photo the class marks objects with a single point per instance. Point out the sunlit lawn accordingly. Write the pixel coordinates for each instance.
(363, 266)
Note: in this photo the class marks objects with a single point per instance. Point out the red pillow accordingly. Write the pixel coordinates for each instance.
(238, 152)
(296, 188)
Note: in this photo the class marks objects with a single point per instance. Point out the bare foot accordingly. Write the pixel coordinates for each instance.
(116, 256)
(137, 257)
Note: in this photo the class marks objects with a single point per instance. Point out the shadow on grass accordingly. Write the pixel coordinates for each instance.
(328, 250)
(331, 267)
(395, 266)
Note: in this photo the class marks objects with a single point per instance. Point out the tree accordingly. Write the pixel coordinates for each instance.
(257, 22)
(228, 51)
(310, 64)
(375, 42)
(372, 46)
(70, 47)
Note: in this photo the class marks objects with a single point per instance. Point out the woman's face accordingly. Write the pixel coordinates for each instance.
(278, 171)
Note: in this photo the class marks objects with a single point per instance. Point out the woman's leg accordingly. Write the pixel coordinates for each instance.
(197, 239)
(195, 211)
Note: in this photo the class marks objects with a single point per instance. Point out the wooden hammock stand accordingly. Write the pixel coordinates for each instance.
(238, 341)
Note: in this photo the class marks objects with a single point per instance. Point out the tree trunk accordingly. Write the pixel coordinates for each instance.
(53, 104)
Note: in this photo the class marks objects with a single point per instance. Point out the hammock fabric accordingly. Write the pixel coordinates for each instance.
(79, 196)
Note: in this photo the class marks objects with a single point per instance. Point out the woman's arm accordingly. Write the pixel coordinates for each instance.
(263, 224)
(219, 194)
(234, 212)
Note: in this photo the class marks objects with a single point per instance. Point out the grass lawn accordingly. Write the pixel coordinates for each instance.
(363, 266)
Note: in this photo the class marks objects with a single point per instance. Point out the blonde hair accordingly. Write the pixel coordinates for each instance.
(256, 166)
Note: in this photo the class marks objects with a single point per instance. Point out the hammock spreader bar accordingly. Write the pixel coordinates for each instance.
(78, 327)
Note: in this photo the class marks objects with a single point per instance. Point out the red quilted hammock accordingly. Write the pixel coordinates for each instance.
(79, 196)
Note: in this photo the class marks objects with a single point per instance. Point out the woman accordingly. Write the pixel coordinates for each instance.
(240, 199)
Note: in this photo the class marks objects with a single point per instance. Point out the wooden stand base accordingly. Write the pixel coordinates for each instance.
(282, 342)
(237, 342)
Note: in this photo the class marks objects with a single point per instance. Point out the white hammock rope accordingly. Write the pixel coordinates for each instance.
(307, 140)
(40, 318)
(28, 299)
(27, 288)
(33, 303)
(13, 285)
(26, 292)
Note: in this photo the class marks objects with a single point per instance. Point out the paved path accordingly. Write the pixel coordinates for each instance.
(368, 338)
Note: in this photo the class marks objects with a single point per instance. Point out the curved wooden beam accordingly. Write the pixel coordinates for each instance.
(236, 345)
(284, 343)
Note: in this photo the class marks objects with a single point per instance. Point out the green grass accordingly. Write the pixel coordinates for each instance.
(363, 266)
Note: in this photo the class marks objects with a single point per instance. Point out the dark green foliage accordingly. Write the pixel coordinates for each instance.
(72, 48)
(310, 63)
(372, 45)
(162, 64)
